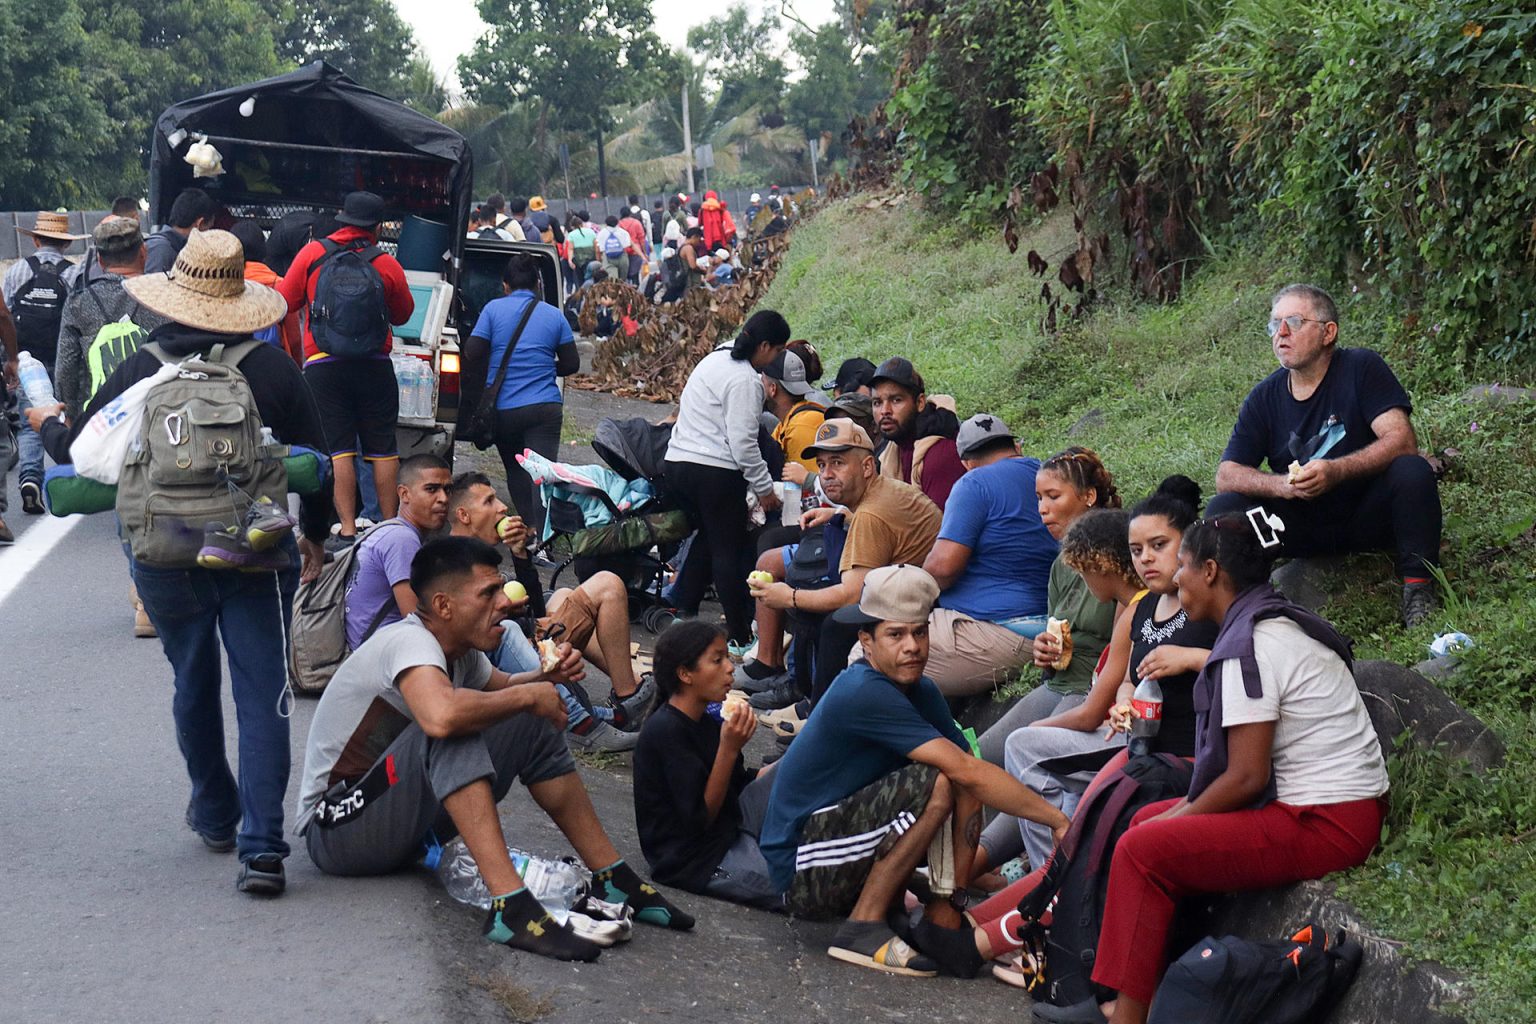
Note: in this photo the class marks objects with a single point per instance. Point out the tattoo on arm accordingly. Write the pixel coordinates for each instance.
(973, 830)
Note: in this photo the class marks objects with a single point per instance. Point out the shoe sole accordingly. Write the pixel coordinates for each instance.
(850, 956)
(259, 883)
(32, 500)
(261, 540)
(216, 558)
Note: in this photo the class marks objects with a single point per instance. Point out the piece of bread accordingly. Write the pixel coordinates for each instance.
(733, 705)
(1061, 629)
(1291, 472)
(549, 656)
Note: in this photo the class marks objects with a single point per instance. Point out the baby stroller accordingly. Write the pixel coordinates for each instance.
(618, 519)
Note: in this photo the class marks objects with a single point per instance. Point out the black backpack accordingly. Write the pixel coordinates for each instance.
(1077, 879)
(38, 307)
(1232, 980)
(348, 315)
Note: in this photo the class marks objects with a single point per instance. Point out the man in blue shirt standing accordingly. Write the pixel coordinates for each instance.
(992, 562)
(880, 777)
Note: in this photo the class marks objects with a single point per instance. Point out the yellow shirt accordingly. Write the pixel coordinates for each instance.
(798, 432)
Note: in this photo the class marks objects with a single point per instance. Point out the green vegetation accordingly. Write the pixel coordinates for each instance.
(1454, 878)
(1393, 138)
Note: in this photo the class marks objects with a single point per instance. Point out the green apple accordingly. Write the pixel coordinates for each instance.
(515, 591)
(760, 578)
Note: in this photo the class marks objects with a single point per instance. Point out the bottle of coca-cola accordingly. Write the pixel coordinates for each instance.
(1147, 702)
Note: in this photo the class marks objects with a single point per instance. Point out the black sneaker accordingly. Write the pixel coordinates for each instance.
(1418, 604)
(781, 696)
(32, 498)
(755, 677)
(262, 875)
(630, 712)
(218, 842)
(339, 542)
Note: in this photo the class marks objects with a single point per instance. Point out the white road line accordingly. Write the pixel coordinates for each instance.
(18, 560)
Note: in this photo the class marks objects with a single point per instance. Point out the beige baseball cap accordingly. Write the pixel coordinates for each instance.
(838, 436)
(892, 593)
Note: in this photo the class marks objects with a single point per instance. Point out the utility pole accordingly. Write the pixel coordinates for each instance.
(815, 145)
(687, 138)
(602, 164)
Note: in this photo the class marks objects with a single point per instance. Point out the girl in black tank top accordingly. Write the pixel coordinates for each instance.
(1166, 644)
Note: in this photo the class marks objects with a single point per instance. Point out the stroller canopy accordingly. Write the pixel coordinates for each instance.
(635, 448)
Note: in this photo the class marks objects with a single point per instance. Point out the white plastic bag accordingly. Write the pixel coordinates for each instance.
(104, 442)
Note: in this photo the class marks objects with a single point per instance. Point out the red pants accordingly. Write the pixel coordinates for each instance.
(1157, 863)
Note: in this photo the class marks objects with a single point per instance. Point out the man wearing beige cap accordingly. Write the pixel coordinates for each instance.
(879, 778)
(212, 308)
(887, 522)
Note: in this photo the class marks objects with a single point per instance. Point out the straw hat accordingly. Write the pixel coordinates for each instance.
(536, 203)
(52, 226)
(207, 288)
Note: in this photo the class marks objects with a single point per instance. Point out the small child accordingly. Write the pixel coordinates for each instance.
(607, 317)
(697, 808)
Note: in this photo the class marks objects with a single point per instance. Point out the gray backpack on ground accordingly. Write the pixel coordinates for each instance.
(317, 636)
(199, 460)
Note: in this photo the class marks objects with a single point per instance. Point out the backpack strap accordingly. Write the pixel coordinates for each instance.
(231, 354)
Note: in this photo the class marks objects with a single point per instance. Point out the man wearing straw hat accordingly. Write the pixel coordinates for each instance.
(34, 292)
(210, 303)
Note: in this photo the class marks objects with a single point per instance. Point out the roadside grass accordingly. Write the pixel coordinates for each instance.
(1456, 876)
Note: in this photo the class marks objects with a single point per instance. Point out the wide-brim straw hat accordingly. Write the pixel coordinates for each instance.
(207, 288)
(53, 226)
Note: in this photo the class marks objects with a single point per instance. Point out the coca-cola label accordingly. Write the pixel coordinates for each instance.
(1148, 710)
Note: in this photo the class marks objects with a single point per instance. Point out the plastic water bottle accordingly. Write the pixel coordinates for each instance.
(789, 513)
(35, 381)
(1147, 702)
(557, 884)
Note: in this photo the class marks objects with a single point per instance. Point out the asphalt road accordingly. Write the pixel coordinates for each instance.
(113, 911)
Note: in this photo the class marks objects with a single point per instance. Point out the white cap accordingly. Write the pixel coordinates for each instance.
(756, 198)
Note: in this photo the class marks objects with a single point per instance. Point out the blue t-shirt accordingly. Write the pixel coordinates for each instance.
(1274, 427)
(861, 730)
(993, 511)
(531, 372)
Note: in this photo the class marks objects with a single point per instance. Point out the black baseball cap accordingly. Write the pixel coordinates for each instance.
(900, 371)
(853, 373)
(361, 210)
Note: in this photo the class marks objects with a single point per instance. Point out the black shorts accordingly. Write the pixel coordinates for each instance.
(358, 404)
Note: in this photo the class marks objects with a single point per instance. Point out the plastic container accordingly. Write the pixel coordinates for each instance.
(35, 381)
(789, 512)
(557, 884)
(1147, 702)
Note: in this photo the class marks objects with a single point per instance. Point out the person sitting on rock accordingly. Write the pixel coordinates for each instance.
(418, 736)
(879, 777)
(1344, 472)
(921, 430)
(593, 617)
(1289, 782)
(993, 563)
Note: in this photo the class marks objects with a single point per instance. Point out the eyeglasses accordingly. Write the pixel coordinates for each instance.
(1293, 322)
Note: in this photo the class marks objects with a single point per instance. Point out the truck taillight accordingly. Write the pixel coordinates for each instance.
(450, 362)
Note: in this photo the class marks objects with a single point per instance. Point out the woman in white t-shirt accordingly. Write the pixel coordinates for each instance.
(1289, 782)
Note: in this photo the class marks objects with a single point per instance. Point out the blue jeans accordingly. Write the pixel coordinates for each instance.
(29, 445)
(191, 609)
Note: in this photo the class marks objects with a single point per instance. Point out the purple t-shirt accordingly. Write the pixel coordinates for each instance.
(383, 559)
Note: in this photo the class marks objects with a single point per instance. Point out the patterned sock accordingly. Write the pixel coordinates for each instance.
(618, 883)
(518, 920)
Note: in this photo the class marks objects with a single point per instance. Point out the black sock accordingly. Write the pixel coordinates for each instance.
(757, 670)
(618, 883)
(954, 949)
(520, 921)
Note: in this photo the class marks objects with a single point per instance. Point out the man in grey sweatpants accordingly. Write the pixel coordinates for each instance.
(418, 737)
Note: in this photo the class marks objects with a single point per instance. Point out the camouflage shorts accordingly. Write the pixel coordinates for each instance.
(840, 843)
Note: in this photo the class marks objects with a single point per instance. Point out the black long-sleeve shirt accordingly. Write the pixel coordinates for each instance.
(282, 398)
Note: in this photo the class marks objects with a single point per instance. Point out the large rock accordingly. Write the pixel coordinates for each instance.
(1091, 420)
(1390, 988)
(1309, 581)
(1500, 393)
(1399, 699)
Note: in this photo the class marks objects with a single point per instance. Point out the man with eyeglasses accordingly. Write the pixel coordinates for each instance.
(1344, 470)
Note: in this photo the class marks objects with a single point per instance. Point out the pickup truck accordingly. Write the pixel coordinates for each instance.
(302, 141)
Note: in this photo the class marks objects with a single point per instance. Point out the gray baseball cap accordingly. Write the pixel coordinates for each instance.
(789, 370)
(980, 430)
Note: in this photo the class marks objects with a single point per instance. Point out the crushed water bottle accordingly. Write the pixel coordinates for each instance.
(557, 884)
(35, 381)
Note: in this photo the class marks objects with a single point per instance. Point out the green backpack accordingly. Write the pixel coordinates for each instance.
(111, 347)
(199, 460)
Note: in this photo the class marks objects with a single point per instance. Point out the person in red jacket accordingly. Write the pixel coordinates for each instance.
(356, 395)
(712, 220)
(630, 224)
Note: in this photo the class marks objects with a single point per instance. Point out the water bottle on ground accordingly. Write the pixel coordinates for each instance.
(557, 884)
(35, 381)
(1147, 702)
(789, 514)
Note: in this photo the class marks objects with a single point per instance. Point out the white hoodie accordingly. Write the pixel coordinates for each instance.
(717, 419)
